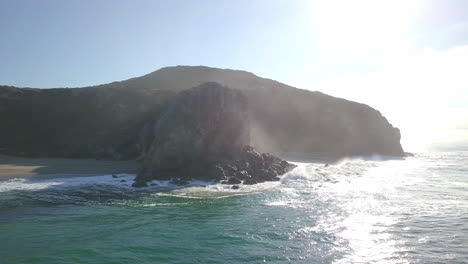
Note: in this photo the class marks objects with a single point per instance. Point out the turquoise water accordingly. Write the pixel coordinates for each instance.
(356, 211)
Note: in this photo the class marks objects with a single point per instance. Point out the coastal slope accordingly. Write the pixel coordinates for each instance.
(111, 121)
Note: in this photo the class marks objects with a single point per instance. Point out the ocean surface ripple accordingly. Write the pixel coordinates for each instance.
(413, 210)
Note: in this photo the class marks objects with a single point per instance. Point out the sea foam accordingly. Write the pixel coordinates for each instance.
(122, 180)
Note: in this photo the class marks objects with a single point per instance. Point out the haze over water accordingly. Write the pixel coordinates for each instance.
(412, 210)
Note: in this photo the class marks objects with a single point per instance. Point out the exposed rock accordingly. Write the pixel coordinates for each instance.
(231, 179)
(139, 184)
(250, 167)
(235, 187)
(204, 134)
(115, 120)
(179, 181)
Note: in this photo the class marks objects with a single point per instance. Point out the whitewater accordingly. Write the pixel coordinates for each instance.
(361, 210)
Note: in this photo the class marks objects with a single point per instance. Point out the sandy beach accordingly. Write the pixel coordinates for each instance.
(44, 168)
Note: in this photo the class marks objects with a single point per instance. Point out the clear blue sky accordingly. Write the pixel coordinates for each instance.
(53, 43)
(56, 43)
(353, 49)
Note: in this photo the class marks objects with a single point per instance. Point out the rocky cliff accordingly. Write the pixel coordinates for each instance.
(204, 134)
(111, 121)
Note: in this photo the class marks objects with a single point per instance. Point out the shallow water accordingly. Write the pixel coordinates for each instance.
(356, 211)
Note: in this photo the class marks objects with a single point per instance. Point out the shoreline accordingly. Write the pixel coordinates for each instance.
(47, 168)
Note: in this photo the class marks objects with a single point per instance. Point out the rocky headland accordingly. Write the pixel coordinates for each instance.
(180, 132)
(205, 134)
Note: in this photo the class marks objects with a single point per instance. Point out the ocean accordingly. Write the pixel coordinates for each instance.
(363, 210)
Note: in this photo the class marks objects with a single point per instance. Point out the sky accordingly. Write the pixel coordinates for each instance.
(406, 58)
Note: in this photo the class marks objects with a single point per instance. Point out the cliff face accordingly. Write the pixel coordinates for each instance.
(78, 123)
(111, 121)
(209, 121)
(204, 134)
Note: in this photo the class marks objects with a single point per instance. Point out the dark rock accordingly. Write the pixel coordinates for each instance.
(205, 123)
(235, 187)
(250, 181)
(179, 181)
(216, 171)
(114, 176)
(139, 184)
(123, 181)
(204, 134)
(153, 184)
(233, 180)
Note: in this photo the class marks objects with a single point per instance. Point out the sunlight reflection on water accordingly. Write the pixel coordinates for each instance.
(363, 211)
(355, 211)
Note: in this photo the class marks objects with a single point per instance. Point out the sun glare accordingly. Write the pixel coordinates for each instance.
(353, 27)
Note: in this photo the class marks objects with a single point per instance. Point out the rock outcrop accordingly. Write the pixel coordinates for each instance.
(110, 121)
(204, 134)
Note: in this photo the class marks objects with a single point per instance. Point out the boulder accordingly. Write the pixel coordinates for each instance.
(139, 183)
(204, 134)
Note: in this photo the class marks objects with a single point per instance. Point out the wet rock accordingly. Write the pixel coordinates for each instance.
(235, 187)
(123, 181)
(114, 176)
(179, 181)
(233, 180)
(250, 181)
(139, 184)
